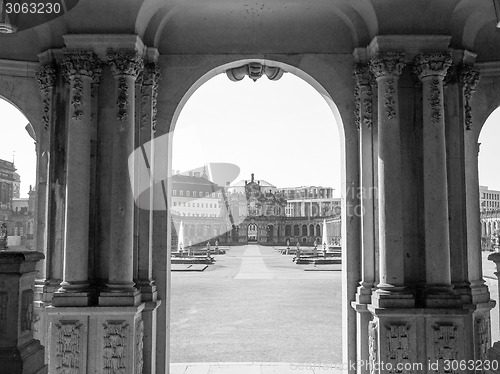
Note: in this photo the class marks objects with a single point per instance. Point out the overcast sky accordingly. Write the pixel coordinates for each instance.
(283, 131)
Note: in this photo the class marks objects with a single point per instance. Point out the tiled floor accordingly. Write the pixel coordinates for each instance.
(249, 368)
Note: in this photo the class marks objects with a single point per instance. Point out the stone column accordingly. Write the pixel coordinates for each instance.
(145, 282)
(46, 78)
(363, 99)
(431, 70)
(20, 353)
(126, 66)
(79, 68)
(387, 67)
(468, 79)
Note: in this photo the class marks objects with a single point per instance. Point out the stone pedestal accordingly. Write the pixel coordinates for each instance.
(20, 353)
(96, 339)
(418, 340)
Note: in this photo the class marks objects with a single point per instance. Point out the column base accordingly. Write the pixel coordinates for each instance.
(110, 339)
(65, 298)
(441, 297)
(480, 292)
(417, 339)
(27, 359)
(464, 291)
(392, 299)
(120, 298)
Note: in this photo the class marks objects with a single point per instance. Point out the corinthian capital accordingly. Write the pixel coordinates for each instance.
(428, 64)
(468, 76)
(126, 63)
(81, 62)
(362, 75)
(151, 74)
(46, 77)
(387, 64)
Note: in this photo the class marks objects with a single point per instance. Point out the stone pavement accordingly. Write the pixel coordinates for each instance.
(250, 368)
(256, 305)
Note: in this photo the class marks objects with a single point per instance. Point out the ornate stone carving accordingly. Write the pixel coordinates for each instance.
(46, 79)
(124, 64)
(151, 78)
(26, 310)
(372, 345)
(398, 346)
(114, 350)
(445, 345)
(78, 64)
(432, 64)
(435, 100)
(468, 78)
(483, 336)
(68, 347)
(4, 302)
(139, 336)
(255, 70)
(389, 98)
(363, 95)
(387, 64)
(122, 99)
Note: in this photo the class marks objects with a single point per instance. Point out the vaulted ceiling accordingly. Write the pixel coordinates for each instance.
(266, 26)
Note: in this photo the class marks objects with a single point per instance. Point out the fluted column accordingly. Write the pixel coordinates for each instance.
(79, 68)
(125, 66)
(387, 67)
(431, 70)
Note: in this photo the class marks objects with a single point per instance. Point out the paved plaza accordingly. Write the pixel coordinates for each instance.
(256, 305)
(255, 311)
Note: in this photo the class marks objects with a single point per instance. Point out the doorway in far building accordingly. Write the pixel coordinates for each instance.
(252, 233)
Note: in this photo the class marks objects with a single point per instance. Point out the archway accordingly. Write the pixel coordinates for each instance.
(309, 229)
(489, 195)
(18, 183)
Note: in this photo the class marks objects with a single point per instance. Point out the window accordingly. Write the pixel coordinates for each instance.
(189, 204)
(181, 192)
(207, 194)
(188, 193)
(194, 193)
(175, 203)
(174, 192)
(213, 194)
(219, 195)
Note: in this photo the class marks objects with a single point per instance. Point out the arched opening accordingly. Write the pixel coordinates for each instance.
(489, 201)
(17, 177)
(238, 203)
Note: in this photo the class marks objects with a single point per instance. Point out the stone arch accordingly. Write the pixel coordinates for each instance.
(328, 78)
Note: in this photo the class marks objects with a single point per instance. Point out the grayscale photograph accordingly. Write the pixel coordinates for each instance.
(249, 186)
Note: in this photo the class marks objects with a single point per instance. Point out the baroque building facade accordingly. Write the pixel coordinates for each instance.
(249, 211)
(425, 81)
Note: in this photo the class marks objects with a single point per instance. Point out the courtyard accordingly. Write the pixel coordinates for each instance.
(255, 304)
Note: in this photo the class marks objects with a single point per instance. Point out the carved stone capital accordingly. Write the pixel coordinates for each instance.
(362, 75)
(432, 64)
(126, 63)
(387, 64)
(81, 63)
(151, 74)
(363, 95)
(151, 77)
(46, 79)
(468, 77)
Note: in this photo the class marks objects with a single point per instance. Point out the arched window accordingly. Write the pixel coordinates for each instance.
(174, 192)
(296, 230)
(318, 230)
(288, 230)
(181, 193)
(304, 230)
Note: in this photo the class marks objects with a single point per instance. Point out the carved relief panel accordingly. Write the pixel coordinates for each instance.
(68, 348)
